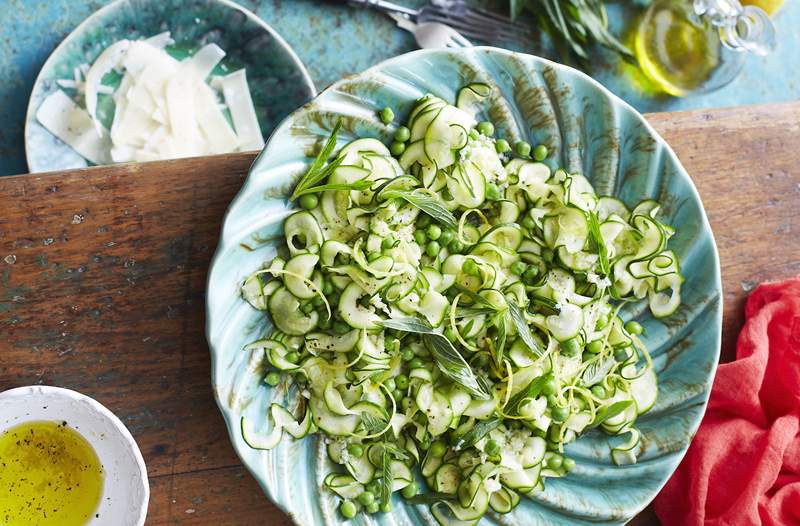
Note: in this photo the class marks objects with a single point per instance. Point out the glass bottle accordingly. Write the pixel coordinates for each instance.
(687, 46)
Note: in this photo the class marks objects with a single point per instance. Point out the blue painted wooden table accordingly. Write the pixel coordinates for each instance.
(334, 41)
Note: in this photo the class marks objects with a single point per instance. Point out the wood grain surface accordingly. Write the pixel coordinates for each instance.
(102, 278)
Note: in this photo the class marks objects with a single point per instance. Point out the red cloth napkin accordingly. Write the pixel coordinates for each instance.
(743, 466)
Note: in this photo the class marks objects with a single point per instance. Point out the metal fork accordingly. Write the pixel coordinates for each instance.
(469, 21)
(431, 35)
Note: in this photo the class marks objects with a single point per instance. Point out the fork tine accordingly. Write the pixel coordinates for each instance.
(489, 22)
(459, 38)
(497, 24)
(470, 30)
(498, 17)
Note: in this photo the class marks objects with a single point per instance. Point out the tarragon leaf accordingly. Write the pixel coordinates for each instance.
(522, 328)
(372, 424)
(473, 436)
(597, 239)
(427, 203)
(533, 389)
(596, 371)
(609, 411)
(386, 476)
(361, 184)
(447, 358)
(315, 172)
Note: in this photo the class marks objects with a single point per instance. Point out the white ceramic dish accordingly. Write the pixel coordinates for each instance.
(126, 490)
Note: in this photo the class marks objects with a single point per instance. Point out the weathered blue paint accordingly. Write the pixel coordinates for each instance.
(334, 41)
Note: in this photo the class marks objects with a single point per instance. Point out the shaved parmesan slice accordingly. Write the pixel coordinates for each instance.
(109, 59)
(205, 60)
(163, 108)
(160, 40)
(73, 125)
(218, 133)
(243, 113)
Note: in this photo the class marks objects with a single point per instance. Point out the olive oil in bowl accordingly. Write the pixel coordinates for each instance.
(49, 475)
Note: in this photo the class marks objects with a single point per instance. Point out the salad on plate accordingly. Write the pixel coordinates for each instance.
(448, 310)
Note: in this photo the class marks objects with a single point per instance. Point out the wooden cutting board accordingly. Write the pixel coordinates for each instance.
(103, 271)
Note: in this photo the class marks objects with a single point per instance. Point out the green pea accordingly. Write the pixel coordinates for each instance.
(554, 461)
(568, 464)
(389, 384)
(502, 146)
(416, 363)
(570, 347)
(599, 391)
(387, 115)
(420, 237)
(595, 346)
(531, 274)
(550, 387)
(522, 148)
(471, 268)
(306, 308)
(348, 509)
(309, 201)
(401, 381)
(540, 152)
(518, 268)
(634, 327)
(456, 247)
(438, 448)
(357, 450)
(434, 232)
(327, 287)
(474, 134)
(560, 413)
(492, 192)
(423, 220)
(272, 379)
(405, 403)
(397, 148)
(528, 222)
(411, 490)
(388, 243)
(492, 448)
(292, 357)
(446, 238)
(433, 248)
(402, 134)
(366, 498)
(317, 302)
(386, 507)
(374, 507)
(324, 322)
(486, 128)
(482, 360)
(407, 355)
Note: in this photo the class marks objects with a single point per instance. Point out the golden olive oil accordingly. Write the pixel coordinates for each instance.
(675, 49)
(49, 476)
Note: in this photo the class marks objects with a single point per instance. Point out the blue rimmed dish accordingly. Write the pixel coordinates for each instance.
(278, 81)
(589, 131)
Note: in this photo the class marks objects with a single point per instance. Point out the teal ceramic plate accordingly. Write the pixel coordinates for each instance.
(279, 83)
(590, 131)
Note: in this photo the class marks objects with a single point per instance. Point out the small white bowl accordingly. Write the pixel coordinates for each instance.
(126, 490)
